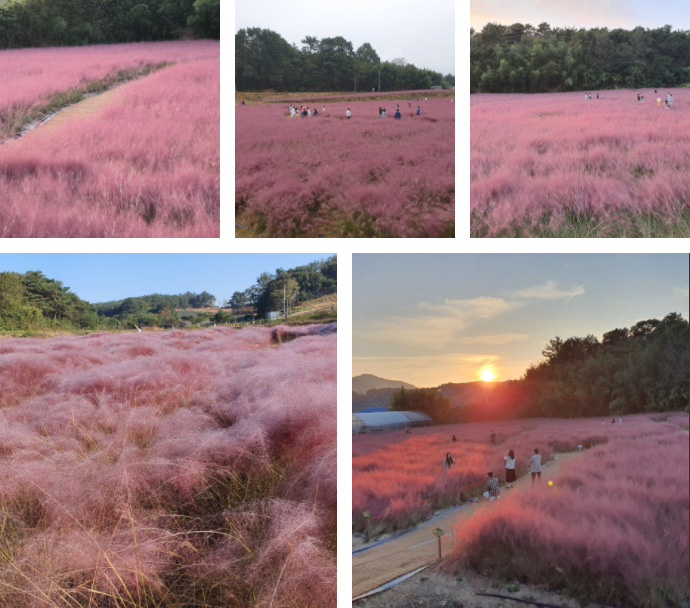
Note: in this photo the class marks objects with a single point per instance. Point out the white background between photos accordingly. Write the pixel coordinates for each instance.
(345, 248)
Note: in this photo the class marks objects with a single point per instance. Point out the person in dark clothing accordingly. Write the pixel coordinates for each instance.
(419, 111)
(397, 114)
(493, 438)
(454, 438)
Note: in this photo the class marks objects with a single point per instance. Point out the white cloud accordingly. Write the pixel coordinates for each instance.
(483, 307)
(682, 291)
(549, 291)
(494, 339)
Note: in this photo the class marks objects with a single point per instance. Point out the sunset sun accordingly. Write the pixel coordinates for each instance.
(487, 375)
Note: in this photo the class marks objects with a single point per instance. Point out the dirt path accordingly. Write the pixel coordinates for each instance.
(381, 564)
(81, 109)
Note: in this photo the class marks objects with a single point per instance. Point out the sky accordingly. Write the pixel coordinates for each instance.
(104, 277)
(625, 14)
(428, 319)
(423, 34)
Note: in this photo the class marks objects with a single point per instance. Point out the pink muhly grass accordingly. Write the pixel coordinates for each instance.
(613, 528)
(365, 176)
(551, 155)
(153, 468)
(393, 471)
(145, 165)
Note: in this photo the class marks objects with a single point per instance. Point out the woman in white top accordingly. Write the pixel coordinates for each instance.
(510, 468)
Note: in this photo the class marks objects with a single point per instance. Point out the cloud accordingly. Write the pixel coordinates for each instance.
(494, 339)
(549, 291)
(483, 307)
(682, 291)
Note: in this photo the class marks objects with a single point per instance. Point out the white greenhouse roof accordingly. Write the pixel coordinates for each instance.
(391, 418)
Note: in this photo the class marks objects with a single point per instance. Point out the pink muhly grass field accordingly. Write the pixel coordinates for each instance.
(169, 469)
(336, 177)
(613, 528)
(544, 159)
(30, 75)
(147, 164)
(393, 471)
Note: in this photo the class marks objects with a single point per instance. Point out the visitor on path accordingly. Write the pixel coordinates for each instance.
(492, 490)
(383, 114)
(613, 421)
(585, 96)
(419, 111)
(316, 112)
(380, 111)
(510, 468)
(620, 421)
(304, 113)
(597, 95)
(348, 114)
(243, 103)
(324, 109)
(666, 105)
(638, 97)
(590, 96)
(448, 462)
(409, 105)
(454, 438)
(535, 465)
(493, 438)
(397, 114)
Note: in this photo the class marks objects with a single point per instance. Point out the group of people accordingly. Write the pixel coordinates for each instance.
(613, 421)
(492, 488)
(493, 491)
(589, 96)
(304, 111)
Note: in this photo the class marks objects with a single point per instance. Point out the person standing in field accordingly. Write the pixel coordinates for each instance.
(620, 421)
(380, 112)
(348, 114)
(383, 113)
(510, 468)
(448, 462)
(324, 109)
(492, 490)
(597, 95)
(638, 97)
(397, 114)
(454, 438)
(316, 113)
(613, 421)
(409, 105)
(535, 465)
(419, 111)
(493, 438)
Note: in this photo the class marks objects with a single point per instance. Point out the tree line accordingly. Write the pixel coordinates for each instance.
(641, 369)
(34, 302)
(29, 23)
(521, 58)
(265, 60)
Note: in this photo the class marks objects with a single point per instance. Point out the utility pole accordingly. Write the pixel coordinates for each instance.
(379, 80)
(284, 316)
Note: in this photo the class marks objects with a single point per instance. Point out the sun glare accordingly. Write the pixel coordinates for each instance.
(487, 375)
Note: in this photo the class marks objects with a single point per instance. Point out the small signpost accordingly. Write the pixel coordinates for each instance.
(367, 517)
(438, 533)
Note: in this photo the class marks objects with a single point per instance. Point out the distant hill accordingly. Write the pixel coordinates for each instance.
(464, 392)
(375, 397)
(365, 382)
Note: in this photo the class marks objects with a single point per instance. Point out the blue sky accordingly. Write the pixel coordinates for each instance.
(434, 318)
(583, 13)
(101, 277)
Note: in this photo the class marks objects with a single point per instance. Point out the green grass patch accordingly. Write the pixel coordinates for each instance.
(579, 226)
(22, 115)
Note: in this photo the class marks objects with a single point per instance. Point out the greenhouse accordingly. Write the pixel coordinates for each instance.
(387, 421)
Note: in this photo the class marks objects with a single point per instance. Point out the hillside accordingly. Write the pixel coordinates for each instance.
(365, 382)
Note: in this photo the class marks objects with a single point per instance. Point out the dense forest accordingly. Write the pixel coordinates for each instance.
(641, 369)
(33, 302)
(526, 59)
(265, 60)
(26, 23)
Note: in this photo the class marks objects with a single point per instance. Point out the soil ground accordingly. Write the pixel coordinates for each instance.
(383, 563)
(437, 587)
